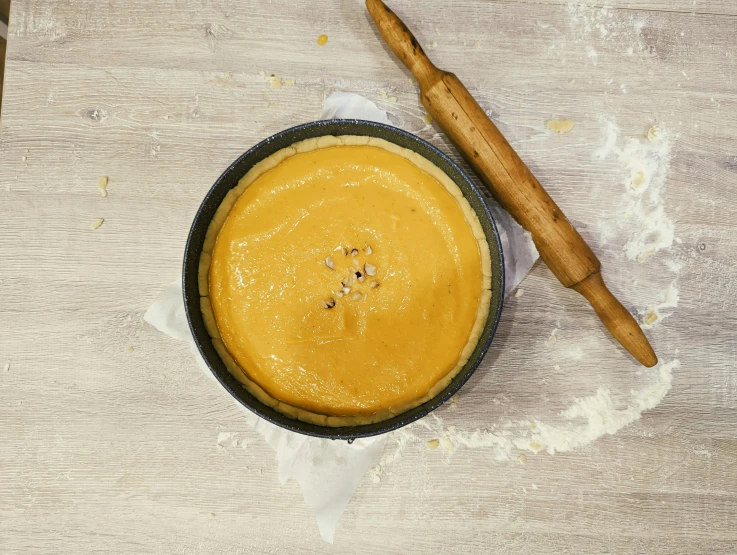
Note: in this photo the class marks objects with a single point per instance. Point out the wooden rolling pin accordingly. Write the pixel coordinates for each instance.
(511, 182)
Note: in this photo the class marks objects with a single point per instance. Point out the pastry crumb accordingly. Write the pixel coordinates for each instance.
(7, 367)
(535, 446)
(559, 126)
(393, 99)
(433, 443)
(289, 82)
(653, 134)
(322, 40)
(522, 459)
(454, 401)
(519, 293)
(24, 158)
(130, 349)
(427, 118)
(97, 223)
(556, 367)
(272, 79)
(650, 318)
(434, 44)
(477, 43)
(102, 185)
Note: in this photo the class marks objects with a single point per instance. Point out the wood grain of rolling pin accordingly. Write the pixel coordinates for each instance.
(512, 183)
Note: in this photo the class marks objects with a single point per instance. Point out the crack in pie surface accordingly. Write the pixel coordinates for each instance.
(345, 280)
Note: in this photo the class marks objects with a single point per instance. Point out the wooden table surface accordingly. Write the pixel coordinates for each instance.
(104, 450)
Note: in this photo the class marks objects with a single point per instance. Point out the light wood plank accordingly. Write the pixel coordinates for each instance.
(117, 451)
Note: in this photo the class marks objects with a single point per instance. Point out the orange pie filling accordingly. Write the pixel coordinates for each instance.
(345, 280)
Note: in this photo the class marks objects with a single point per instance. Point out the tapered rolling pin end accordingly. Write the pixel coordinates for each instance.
(617, 319)
(400, 39)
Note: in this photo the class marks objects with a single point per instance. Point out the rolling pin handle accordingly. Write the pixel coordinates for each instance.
(401, 40)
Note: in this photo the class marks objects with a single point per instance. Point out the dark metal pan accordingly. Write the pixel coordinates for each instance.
(230, 178)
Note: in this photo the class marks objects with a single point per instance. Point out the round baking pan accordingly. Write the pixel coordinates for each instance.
(230, 178)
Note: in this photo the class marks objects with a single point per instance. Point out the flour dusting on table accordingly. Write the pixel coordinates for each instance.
(644, 165)
(587, 419)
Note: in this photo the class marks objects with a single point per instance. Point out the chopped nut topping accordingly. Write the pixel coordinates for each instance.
(356, 296)
(368, 249)
(354, 252)
(370, 269)
(339, 294)
(374, 284)
(328, 303)
(345, 251)
(329, 263)
(358, 273)
(346, 290)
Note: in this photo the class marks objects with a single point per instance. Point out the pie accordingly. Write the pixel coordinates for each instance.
(345, 280)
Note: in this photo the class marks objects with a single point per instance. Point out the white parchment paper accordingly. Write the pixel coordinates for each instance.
(328, 471)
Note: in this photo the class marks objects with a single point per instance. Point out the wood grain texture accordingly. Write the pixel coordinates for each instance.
(108, 451)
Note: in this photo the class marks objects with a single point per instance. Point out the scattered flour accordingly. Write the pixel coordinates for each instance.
(644, 166)
(592, 53)
(674, 265)
(583, 422)
(590, 21)
(231, 439)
